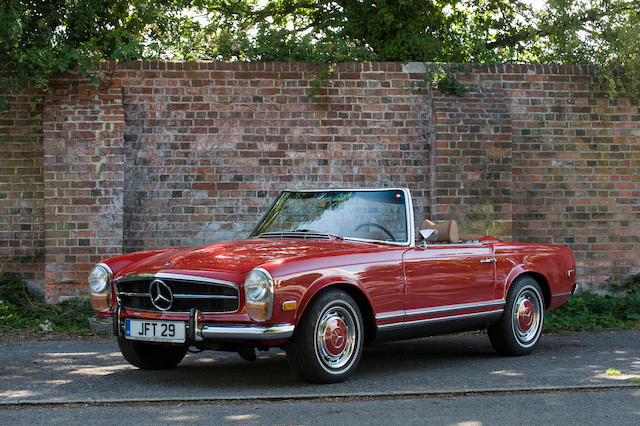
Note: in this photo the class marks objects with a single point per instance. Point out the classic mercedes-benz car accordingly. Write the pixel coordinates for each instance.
(324, 273)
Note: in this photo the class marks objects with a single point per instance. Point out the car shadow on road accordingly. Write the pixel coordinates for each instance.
(212, 369)
(81, 371)
(442, 353)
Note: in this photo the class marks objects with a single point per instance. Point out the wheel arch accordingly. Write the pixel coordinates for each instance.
(542, 282)
(361, 299)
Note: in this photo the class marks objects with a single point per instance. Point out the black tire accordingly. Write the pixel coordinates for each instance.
(151, 356)
(335, 316)
(518, 330)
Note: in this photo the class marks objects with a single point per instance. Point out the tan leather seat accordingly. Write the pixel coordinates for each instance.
(447, 230)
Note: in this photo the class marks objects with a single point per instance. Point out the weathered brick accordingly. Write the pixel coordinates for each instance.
(534, 153)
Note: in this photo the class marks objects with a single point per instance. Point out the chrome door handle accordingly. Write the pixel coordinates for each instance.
(488, 260)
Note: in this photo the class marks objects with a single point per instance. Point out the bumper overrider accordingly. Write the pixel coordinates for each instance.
(199, 332)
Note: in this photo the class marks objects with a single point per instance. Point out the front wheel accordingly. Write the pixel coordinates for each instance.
(327, 344)
(518, 330)
(151, 356)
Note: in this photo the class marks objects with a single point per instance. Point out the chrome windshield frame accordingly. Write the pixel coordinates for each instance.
(408, 204)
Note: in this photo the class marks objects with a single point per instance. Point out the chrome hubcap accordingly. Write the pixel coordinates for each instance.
(527, 317)
(335, 338)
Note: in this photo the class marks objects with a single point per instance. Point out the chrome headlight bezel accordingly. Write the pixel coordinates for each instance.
(258, 292)
(99, 278)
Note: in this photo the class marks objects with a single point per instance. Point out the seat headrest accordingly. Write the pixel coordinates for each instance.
(447, 230)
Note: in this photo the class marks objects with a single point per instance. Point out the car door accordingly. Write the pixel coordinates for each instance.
(449, 280)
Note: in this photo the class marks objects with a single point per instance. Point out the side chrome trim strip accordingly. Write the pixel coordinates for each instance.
(568, 293)
(245, 332)
(386, 316)
(439, 319)
(458, 307)
(442, 309)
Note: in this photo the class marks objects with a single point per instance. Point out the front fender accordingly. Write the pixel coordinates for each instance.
(325, 282)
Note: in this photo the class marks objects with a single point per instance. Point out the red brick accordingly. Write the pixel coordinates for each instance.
(533, 153)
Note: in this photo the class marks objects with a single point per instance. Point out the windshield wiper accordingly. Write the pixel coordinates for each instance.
(317, 232)
(301, 231)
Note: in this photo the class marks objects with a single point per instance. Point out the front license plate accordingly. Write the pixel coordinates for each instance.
(155, 331)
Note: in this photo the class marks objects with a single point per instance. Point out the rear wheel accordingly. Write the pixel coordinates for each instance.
(151, 356)
(327, 344)
(518, 330)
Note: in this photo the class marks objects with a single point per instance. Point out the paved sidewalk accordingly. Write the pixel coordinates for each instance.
(72, 371)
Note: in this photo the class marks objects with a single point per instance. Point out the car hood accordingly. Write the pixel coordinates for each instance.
(239, 257)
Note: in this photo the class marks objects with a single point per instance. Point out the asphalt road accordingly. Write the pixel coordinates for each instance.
(582, 408)
(439, 380)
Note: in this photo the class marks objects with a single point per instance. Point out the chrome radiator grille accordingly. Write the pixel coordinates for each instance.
(186, 293)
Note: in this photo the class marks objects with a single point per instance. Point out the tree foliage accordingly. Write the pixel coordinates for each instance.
(604, 33)
(39, 38)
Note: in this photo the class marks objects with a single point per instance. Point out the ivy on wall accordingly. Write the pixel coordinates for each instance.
(41, 38)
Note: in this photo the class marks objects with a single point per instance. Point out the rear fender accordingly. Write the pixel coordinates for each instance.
(537, 275)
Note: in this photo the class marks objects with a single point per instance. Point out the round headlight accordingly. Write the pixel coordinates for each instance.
(258, 286)
(98, 279)
(258, 290)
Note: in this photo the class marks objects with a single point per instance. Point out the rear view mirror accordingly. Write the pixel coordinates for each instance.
(428, 236)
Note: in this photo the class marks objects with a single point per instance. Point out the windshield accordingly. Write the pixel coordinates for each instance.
(369, 215)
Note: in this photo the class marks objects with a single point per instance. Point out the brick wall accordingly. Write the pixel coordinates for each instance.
(572, 178)
(576, 157)
(83, 181)
(472, 162)
(21, 188)
(172, 153)
(209, 145)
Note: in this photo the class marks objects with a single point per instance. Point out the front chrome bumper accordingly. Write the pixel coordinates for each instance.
(244, 332)
(199, 332)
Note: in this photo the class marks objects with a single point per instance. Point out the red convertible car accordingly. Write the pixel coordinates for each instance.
(324, 273)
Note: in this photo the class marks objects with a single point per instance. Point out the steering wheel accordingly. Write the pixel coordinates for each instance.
(375, 225)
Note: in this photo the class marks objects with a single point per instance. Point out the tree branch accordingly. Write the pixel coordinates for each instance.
(591, 15)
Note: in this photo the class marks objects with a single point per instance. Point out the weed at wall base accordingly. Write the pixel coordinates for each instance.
(590, 312)
(20, 309)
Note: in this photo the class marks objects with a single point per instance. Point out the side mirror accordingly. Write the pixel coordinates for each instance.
(428, 236)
